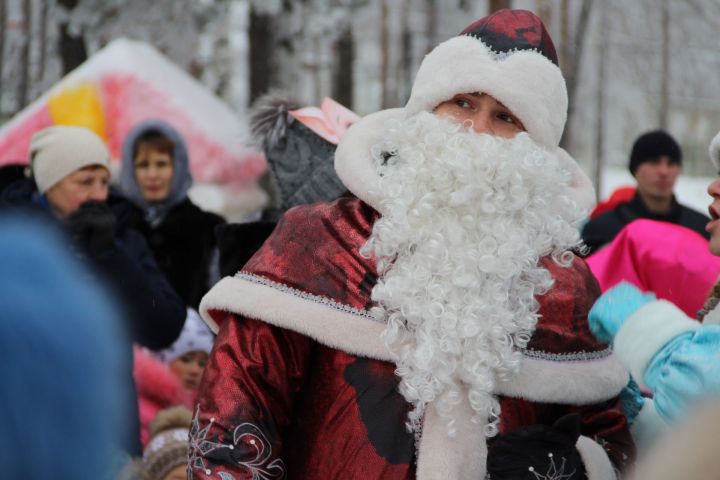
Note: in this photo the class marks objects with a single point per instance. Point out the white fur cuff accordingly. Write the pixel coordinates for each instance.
(597, 463)
(646, 331)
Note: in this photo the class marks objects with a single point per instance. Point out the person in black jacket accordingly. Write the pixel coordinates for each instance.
(69, 189)
(655, 162)
(156, 177)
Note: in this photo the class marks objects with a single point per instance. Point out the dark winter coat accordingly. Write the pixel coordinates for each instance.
(153, 312)
(183, 245)
(238, 242)
(602, 229)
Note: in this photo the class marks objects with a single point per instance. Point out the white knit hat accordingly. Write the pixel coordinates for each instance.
(58, 151)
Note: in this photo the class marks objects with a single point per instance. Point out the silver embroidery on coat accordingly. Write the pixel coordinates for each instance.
(248, 437)
(257, 279)
(566, 357)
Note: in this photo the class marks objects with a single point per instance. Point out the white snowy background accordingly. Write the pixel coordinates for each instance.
(636, 65)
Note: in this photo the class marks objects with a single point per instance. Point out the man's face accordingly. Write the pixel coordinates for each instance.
(482, 112)
(656, 178)
(89, 183)
(154, 173)
(713, 227)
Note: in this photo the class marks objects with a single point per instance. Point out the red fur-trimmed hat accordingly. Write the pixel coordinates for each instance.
(508, 55)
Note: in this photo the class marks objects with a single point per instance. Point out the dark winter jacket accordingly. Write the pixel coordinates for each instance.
(152, 311)
(237, 242)
(601, 230)
(183, 245)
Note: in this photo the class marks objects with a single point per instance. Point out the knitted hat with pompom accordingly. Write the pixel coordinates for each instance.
(168, 446)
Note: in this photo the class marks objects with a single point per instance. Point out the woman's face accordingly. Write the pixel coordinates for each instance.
(189, 368)
(177, 473)
(89, 183)
(154, 173)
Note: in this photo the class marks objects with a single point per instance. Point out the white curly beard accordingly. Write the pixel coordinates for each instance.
(465, 219)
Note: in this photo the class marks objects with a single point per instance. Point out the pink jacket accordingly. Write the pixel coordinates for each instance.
(157, 388)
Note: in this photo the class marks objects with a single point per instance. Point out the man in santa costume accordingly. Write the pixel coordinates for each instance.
(433, 325)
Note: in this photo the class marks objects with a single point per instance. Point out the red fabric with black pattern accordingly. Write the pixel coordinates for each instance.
(508, 30)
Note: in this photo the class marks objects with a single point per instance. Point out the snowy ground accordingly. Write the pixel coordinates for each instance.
(690, 191)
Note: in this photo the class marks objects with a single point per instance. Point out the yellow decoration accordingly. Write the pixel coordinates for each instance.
(78, 106)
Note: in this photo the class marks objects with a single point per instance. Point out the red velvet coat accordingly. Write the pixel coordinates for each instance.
(300, 385)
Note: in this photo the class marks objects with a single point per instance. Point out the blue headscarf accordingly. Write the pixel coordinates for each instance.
(155, 212)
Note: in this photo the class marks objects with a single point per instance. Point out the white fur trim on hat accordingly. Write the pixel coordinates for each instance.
(715, 151)
(525, 81)
(356, 167)
(58, 151)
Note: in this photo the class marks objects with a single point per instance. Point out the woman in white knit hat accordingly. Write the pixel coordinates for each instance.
(70, 188)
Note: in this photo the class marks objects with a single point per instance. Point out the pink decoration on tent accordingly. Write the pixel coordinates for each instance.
(14, 145)
(330, 121)
(671, 261)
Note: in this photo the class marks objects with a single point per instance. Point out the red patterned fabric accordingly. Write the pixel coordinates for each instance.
(278, 404)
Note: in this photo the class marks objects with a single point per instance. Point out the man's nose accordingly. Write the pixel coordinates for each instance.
(714, 188)
(664, 169)
(98, 194)
(482, 123)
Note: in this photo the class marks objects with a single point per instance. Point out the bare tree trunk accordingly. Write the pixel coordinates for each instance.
(406, 59)
(25, 56)
(564, 32)
(40, 74)
(262, 41)
(385, 52)
(431, 26)
(665, 68)
(600, 105)
(72, 47)
(544, 11)
(343, 74)
(495, 5)
(571, 70)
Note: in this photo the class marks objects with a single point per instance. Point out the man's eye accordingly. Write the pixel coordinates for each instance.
(506, 118)
(462, 103)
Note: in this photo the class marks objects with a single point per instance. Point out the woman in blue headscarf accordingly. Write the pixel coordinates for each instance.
(156, 177)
